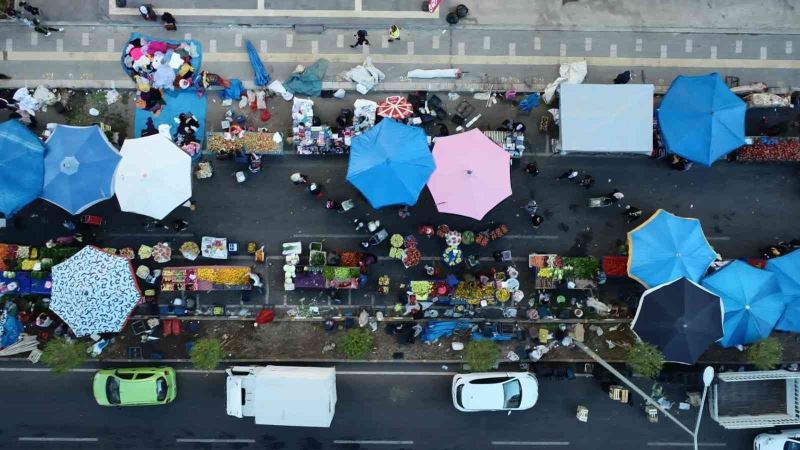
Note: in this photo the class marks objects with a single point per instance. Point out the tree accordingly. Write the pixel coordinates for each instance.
(481, 355)
(62, 355)
(765, 354)
(644, 359)
(206, 353)
(356, 343)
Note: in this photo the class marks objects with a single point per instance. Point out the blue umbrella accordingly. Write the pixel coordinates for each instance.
(261, 75)
(752, 300)
(390, 163)
(21, 167)
(79, 168)
(667, 247)
(701, 119)
(787, 270)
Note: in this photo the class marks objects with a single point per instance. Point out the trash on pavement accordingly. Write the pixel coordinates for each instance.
(568, 73)
(112, 96)
(434, 73)
(366, 76)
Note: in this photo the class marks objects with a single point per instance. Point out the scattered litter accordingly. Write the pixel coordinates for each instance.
(568, 73)
(511, 356)
(435, 73)
(610, 344)
(453, 96)
(94, 112)
(444, 367)
(339, 93)
(472, 121)
(227, 102)
(683, 406)
(483, 96)
(112, 96)
(328, 347)
(457, 346)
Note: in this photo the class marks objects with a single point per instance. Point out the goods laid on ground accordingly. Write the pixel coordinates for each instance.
(205, 278)
(251, 141)
(771, 149)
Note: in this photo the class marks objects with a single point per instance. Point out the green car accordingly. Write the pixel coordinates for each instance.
(139, 386)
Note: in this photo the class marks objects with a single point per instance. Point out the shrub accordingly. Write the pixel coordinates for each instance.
(206, 353)
(766, 354)
(62, 355)
(356, 343)
(644, 359)
(481, 355)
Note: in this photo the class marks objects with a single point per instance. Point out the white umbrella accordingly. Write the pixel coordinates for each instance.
(154, 176)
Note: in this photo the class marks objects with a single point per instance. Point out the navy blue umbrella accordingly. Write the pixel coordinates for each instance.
(261, 75)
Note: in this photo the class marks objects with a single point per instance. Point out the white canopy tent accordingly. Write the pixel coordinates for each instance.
(154, 176)
(606, 118)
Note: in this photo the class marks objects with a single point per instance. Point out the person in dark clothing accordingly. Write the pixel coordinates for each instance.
(44, 29)
(632, 213)
(147, 12)
(179, 225)
(150, 128)
(315, 189)
(536, 220)
(587, 181)
(361, 38)
(170, 24)
(568, 175)
(532, 169)
(34, 11)
(624, 77)
(4, 77)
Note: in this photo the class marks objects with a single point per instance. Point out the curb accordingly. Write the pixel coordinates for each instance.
(389, 319)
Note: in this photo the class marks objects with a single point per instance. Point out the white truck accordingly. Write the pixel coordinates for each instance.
(755, 399)
(282, 395)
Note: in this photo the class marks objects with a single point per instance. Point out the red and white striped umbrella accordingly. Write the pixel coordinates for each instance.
(395, 107)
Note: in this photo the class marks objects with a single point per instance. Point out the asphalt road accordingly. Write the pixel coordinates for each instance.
(401, 411)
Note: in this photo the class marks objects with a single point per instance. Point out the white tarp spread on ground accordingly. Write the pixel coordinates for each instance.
(568, 73)
(366, 76)
(607, 118)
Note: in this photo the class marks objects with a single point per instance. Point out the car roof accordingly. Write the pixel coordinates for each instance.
(482, 396)
(137, 391)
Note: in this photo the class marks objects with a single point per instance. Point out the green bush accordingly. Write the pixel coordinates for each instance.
(206, 353)
(61, 355)
(356, 343)
(644, 359)
(766, 354)
(481, 355)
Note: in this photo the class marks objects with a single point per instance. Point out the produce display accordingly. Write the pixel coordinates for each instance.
(162, 253)
(340, 273)
(412, 257)
(233, 276)
(771, 149)
(145, 251)
(252, 141)
(615, 266)
(190, 250)
(127, 253)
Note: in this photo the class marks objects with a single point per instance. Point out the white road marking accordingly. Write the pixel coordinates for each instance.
(686, 444)
(84, 39)
(359, 5)
(612, 51)
(562, 49)
(59, 45)
(738, 48)
(237, 39)
(289, 40)
(487, 42)
(9, 44)
(788, 47)
(531, 443)
(688, 46)
(212, 46)
(587, 44)
(512, 49)
(339, 40)
(663, 51)
(264, 46)
(462, 49)
(57, 439)
(384, 41)
(537, 43)
(187, 36)
(34, 38)
(352, 442)
(110, 44)
(410, 47)
(638, 45)
(215, 441)
(763, 54)
(713, 52)
(314, 47)
(435, 43)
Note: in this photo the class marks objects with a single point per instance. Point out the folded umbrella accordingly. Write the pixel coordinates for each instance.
(261, 75)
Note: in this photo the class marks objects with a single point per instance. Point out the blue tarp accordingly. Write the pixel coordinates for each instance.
(701, 119)
(390, 163)
(438, 328)
(234, 92)
(177, 102)
(79, 166)
(21, 167)
(309, 81)
(667, 247)
(752, 301)
(787, 270)
(11, 331)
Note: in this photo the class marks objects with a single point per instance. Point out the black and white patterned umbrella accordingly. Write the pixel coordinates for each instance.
(94, 291)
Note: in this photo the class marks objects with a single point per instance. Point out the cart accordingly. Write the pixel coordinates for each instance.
(376, 238)
(600, 202)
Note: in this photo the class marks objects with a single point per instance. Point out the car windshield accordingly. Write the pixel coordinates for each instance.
(459, 389)
(161, 389)
(512, 394)
(112, 390)
(791, 445)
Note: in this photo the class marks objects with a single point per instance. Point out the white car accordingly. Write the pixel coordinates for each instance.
(781, 440)
(495, 391)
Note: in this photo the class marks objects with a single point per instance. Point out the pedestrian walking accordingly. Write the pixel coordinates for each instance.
(404, 212)
(615, 196)
(531, 208)
(147, 12)
(624, 77)
(632, 213)
(34, 11)
(587, 181)
(394, 33)
(44, 29)
(315, 190)
(299, 178)
(568, 175)
(361, 38)
(536, 220)
(170, 24)
(532, 169)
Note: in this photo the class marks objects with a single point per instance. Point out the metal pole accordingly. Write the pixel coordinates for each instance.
(699, 416)
(635, 388)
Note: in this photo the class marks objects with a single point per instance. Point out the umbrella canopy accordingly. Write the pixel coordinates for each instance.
(395, 107)
(666, 247)
(787, 270)
(21, 167)
(680, 318)
(79, 166)
(701, 119)
(390, 163)
(260, 73)
(154, 177)
(94, 291)
(473, 174)
(752, 300)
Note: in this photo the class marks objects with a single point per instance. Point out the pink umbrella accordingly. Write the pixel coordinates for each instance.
(473, 174)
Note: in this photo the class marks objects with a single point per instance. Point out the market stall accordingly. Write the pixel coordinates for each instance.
(316, 139)
(511, 141)
(258, 142)
(763, 149)
(205, 278)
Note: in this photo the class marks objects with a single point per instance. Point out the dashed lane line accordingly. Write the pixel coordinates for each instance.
(56, 439)
(531, 443)
(214, 441)
(371, 442)
(686, 444)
